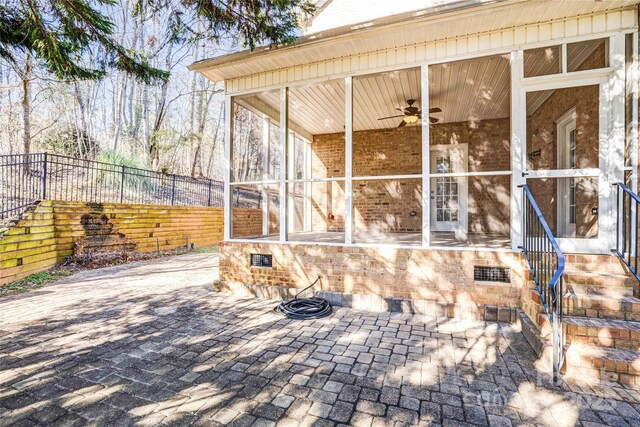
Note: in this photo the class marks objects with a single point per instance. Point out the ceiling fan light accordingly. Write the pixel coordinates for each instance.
(411, 119)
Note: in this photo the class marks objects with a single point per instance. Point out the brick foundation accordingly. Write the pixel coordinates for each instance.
(445, 276)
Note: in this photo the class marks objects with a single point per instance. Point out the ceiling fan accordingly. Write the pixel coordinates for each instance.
(412, 114)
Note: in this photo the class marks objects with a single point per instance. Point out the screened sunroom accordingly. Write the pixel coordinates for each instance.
(433, 155)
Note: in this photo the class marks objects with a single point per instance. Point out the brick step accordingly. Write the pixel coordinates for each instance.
(536, 312)
(593, 262)
(599, 364)
(599, 279)
(579, 301)
(603, 291)
(612, 333)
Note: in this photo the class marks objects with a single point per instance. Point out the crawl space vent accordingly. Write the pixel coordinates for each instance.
(261, 260)
(491, 274)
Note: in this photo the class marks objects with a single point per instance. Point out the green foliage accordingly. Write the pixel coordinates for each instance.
(72, 38)
(138, 181)
(213, 249)
(33, 281)
(70, 141)
(257, 22)
(120, 159)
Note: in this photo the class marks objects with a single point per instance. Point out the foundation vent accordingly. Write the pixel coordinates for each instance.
(261, 260)
(491, 274)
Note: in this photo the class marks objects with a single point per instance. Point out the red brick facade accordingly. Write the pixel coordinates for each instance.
(396, 206)
(438, 275)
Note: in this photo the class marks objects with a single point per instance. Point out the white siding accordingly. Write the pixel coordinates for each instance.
(436, 51)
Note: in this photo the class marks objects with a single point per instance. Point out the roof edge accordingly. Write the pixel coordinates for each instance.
(422, 14)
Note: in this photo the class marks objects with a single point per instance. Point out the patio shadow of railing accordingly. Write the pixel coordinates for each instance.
(187, 355)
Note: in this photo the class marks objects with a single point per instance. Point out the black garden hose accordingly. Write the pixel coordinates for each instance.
(305, 308)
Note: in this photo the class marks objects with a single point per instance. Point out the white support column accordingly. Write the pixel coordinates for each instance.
(426, 158)
(518, 146)
(283, 166)
(291, 171)
(307, 186)
(348, 159)
(266, 132)
(228, 140)
(633, 131)
(563, 59)
(612, 148)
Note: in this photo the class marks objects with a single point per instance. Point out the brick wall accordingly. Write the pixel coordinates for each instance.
(48, 234)
(247, 222)
(388, 206)
(437, 275)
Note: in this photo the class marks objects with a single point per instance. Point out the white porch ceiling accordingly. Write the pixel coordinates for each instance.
(413, 29)
(469, 90)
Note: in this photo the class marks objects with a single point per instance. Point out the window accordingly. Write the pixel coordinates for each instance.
(387, 157)
(580, 56)
(316, 162)
(256, 166)
(470, 152)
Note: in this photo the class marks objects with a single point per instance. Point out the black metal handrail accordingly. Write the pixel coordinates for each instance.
(546, 262)
(27, 178)
(627, 227)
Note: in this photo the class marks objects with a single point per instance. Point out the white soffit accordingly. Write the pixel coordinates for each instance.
(468, 90)
(416, 31)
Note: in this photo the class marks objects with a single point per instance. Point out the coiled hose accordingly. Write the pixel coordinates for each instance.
(305, 308)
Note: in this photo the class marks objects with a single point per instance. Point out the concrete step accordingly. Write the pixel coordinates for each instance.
(612, 333)
(601, 364)
(581, 301)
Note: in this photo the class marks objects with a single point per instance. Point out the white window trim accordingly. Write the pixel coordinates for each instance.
(563, 123)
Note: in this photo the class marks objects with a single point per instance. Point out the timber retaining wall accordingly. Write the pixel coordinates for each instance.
(50, 233)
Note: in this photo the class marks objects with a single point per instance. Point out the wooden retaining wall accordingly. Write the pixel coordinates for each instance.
(48, 235)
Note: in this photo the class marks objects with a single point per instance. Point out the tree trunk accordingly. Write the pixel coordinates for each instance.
(215, 139)
(81, 131)
(153, 149)
(26, 107)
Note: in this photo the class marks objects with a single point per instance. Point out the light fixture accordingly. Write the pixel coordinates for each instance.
(410, 119)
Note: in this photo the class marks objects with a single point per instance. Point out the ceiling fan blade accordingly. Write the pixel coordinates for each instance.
(433, 120)
(435, 110)
(391, 117)
(402, 124)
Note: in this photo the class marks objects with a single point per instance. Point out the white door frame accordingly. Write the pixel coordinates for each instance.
(601, 244)
(461, 226)
(564, 126)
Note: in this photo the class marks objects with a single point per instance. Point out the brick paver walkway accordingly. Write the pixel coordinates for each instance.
(151, 343)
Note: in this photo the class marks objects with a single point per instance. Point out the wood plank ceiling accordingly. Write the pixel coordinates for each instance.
(468, 90)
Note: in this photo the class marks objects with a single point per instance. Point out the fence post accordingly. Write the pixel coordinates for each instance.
(122, 184)
(209, 199)
(173, 190)
(44, 177)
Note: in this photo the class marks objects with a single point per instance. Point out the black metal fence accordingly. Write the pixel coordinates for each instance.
(25, 179)
(546, 262)
(628, 204)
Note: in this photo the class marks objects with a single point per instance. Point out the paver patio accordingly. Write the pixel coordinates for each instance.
(151, 343)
